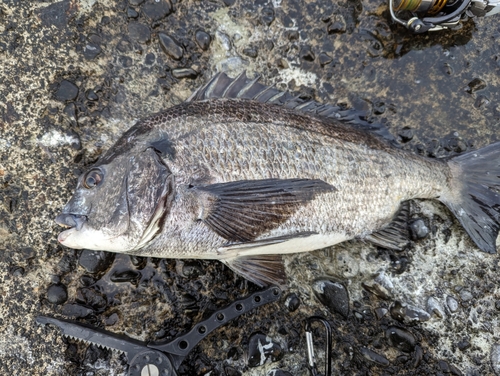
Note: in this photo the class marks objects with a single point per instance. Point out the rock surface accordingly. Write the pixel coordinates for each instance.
(75, 74)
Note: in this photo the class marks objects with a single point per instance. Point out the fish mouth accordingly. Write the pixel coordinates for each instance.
(74, 222)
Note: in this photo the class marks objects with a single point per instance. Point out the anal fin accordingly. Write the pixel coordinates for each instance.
(262, 270)
(395, 235)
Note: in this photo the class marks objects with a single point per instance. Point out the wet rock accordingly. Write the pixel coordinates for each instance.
(67, 91)
(184, 73)
(155, 10)
(135, 2)
(139, 32)
(250, 52)
(306, 53)
(262, 348)
(76, 311)
(132, 13)
(406, 134)
(228, 3)
(132, 276)
(324, 58)
(338, 25)
(463, 345)
(91, 51)
(475, 85)
(400, 339)
(203, 39)
(95, 261)
(70, 112)
(466, 295)
(170, 46)
(91, 95)
(92, 298)
(231, 371)
(434, 306)
(451, 303)
(495, 358)
(333, 295)
(377, 289)
(57, 294)
(150, 59)
(278, 372)
(374, 357)
(408, 314)
(267, 16)
(418, 229)
(292, 302)
(381, 312)
(223, 40)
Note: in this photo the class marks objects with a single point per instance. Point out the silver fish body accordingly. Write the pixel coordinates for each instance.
(241, 181)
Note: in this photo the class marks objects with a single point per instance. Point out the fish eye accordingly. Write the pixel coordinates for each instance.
(92, 179)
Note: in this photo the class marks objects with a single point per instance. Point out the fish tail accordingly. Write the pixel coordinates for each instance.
(474, 195)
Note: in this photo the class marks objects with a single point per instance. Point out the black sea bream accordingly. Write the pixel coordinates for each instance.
(242, 173)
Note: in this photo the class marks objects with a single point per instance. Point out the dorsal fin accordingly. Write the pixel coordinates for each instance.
(242, 87)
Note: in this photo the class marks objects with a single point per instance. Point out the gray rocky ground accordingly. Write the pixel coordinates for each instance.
(74, 74)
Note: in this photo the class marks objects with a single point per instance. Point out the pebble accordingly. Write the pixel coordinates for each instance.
(111, 320)
(95, 261)
(338, 25)
(463, 345)
(132, 276)
(92, 298)
(91, 95)
(139, 32)
(155, 10)
(434, 306)
(170, 46)
(267, 16)
(451, 303)
(261, 348)
(250, 52)
(466, 295)
(380, 312)
(292, 302)
(333, 295)
(407, 313)
(76, 311)
(400, 339)
(377, 289)
(228, 3)
(231, 371)
(67, 91)
(184, 73)
(495, 358)
(57, 294)
(324, 58)
(70, 112)
(306, 53)
(278, 372)
(203, 39)
(132, 13)
(374, 357)
(135, 2)
(91, 51)
(475, 85)
(418, 229)
(406, 134)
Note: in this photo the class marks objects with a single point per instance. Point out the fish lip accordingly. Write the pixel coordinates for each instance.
(71, 220)
(64, 235)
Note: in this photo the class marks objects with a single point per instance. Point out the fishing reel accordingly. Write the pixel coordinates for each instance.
(420, 16)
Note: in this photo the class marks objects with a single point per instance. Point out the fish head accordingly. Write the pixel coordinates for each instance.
(119, 206)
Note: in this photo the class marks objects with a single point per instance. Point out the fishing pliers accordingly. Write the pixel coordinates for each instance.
(163, 357)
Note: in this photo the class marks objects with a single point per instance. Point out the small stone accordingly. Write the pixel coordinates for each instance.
(466, 295)
(475, 85)
(443, 366)
(434, 306)
(292, 302)
(374, 357)
(155, 10)
(132, 276)
(57, 294)
(250, 52)
(70, 112)
(463, 345)
(267, 16)
(377, 289)
(92, 298)
(400, 339)
(91, 95)
(418, 229)
(324, 58)
(132, 13)
(306, 53)
(228, 3)
(406, 134)
(67, 91)
(381, 312)
(139, 32)
(95, 261)
(150, 59)
(407, 313)
(278, 372)
(191, 269)
(184, 73)
(91, 51)
(170, 46)
(452, 304)
(379, 108)
(338, 25)
(262, 348)
(203, 39)
(333, 295)
(231, 371)
(111, 320)
(135, 2)
(75, 311)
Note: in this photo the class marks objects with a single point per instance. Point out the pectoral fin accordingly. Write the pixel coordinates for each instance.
(262, 270)
(241, 211)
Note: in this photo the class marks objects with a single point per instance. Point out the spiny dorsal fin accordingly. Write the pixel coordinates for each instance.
(242, 87)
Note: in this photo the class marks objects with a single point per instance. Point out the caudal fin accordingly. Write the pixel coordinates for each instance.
(475, 194)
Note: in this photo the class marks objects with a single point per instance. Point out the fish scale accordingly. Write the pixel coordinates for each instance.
(245, 180)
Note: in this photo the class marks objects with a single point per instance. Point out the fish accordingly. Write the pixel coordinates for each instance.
(243, 173)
